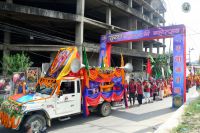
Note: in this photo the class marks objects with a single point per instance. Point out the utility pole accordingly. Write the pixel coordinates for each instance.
(190, 49)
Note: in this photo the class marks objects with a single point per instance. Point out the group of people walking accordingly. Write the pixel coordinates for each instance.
(149, 89)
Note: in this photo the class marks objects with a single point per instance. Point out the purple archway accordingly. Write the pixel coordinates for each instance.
(177, 32)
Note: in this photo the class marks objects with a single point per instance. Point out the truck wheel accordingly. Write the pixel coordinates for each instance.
(37, 122)
(104, 109)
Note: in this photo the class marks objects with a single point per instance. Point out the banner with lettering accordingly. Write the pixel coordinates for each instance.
(176, 31)
(147, 34)
(179, 67)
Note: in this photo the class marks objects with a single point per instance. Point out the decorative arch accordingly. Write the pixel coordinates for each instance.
(177, 32)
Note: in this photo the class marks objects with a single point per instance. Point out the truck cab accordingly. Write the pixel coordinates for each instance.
(69, 100)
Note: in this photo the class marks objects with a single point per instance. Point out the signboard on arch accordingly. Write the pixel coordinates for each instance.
(177, 32)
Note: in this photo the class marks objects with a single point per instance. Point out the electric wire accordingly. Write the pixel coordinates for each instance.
(17, 29)
(40, 55)
(38, 25)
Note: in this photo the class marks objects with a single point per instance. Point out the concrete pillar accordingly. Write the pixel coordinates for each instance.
(9, 1)
(163, 17)
(158, 50)
(135, 24)
(6, 51)
(80, 7)
(146, 49)
(138, 46)
(141, 64)
(138, 64)
(79, 37)
(151, 16)
(142, 9)
(131, 27)
(163, 49)
(163, 14)
(151, 48)
(158, 21)
(163, 41)
(108, 18)
(130, 3)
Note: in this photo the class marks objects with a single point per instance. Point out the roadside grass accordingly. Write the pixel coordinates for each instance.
(191, 119)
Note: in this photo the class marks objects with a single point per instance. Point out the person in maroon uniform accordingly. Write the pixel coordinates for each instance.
(132, 91)
(125, 93)
(188, 84)
(197, 83)
(171, 83)
(147, 87)
(161, 89)
(154, 90)
(139, 91)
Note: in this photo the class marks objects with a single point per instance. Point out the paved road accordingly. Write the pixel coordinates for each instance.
(142, 119)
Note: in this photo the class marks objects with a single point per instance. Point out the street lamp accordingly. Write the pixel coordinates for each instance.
(190, 49)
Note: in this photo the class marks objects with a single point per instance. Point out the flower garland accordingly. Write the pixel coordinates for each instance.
(118, 72)
(105, 73)
(106, 88)
(10, 114)
(93, 74)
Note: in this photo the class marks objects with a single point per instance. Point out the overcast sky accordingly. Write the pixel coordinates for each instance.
(191, 20)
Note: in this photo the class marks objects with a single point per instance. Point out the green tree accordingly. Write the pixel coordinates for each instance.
(16, 63)
(159, 63)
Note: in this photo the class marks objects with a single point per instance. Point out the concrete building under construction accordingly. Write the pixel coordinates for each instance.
(41, 27)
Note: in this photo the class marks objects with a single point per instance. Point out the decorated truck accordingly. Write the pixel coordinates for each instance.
(68, 88)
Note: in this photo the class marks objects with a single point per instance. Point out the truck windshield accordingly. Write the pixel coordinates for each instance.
(44, 90)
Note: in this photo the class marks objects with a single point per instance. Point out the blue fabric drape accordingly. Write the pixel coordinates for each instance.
(118, 92)
(117, 81)
(84, 105)
(107, 94)
(94, 84)
(95, 95)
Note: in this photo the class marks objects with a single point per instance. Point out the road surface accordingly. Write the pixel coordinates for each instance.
(139, 119)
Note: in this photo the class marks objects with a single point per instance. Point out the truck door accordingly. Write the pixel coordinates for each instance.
(67, 103)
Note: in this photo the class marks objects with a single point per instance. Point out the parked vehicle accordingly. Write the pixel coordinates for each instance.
(67, 89)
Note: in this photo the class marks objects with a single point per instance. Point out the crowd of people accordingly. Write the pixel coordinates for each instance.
(192, 80)
(151, 90)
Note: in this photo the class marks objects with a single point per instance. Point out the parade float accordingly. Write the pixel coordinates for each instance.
(68, 88)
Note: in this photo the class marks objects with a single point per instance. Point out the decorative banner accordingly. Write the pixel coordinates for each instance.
(61, 64)
(32, 75)
(179, 67)
(5, 86)
(177, 32)
(148, 34)
(109, 90)
(18, 77)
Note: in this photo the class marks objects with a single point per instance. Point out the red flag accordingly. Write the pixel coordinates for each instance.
(148, 70)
